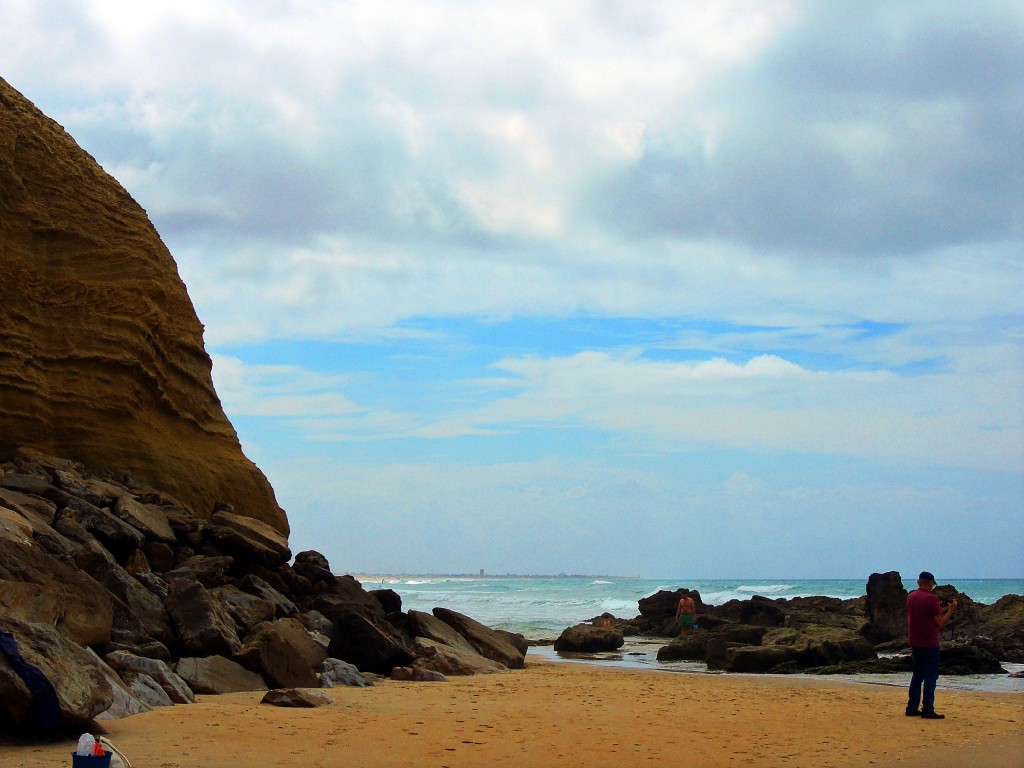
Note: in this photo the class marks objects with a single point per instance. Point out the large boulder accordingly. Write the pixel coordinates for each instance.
(486, 641)
(373, 646)
(248, 539)
(36, 587)
(335, 672)
(430, 627)
(284, 654)
(247, 610)
(586, 638)
(78, 681)
(204, 627)
(101, 351)
(216, 674)
(254, 585)
(886, 607)
(449, 660)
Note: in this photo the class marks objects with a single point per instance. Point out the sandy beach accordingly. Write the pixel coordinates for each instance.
(563, 714)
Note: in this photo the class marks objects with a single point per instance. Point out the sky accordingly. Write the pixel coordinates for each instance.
(660, 289)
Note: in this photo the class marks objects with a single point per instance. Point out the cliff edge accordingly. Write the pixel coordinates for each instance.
(101, 352)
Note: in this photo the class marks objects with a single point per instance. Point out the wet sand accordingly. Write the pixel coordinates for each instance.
(563, 714)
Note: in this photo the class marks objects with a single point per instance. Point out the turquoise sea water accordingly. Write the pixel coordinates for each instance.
(541, 607)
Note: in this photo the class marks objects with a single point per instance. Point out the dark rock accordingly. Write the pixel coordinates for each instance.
(757, 658)
(389, 600)
(204, 627)
(247, 610)
(284, 654)
(584, 638)
(820, 646)
(255, 585)
(80, 685)
(429, 626)
(297, 697)
(886, 607)
(486, 641)
(215, 675)
(137, 644)
(136, 608)
(371, 646)
(208, 571)
(115, 534)
(313, 566)
(248, 539)
(316, 623)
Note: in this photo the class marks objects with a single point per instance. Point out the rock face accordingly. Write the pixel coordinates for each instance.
(101, 352)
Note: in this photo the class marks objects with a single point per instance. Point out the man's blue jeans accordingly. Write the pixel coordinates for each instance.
(926, 674)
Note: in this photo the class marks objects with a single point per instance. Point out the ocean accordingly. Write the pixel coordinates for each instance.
(541, 607)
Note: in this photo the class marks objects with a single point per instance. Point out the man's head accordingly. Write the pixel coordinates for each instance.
(926, 581)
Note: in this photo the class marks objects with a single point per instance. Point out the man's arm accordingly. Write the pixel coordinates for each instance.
(942, 619)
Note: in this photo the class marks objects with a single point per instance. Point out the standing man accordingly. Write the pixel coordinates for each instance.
(925, 618)
(686, 614)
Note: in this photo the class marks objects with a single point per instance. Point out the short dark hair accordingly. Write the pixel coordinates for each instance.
(926, 576)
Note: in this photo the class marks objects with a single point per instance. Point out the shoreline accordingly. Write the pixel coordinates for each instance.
(569, 714)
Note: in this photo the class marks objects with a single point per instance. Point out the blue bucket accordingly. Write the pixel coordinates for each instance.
(89, 761)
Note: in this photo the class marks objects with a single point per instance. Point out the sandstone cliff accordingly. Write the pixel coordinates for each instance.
(101, 352)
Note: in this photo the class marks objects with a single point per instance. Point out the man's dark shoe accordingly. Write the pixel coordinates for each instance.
(932, 716)
(913, 713)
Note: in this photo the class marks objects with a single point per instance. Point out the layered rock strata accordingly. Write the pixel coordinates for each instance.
(101, 352)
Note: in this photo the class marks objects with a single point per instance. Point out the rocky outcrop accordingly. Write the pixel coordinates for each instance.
(101, 353)
(488, 642)
(886, 607)
(585, 638)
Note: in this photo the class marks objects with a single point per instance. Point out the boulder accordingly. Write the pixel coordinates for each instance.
(346, 594)
(820, 646)
(417, 675)
(313, 566)
(284, 654)
(204, 628)
(389, 600)
(254, 585)
(115, 534)
(36, 587)
(335, 672)
(453, 661)
(148, 691)
(79, 682)
(216, 674)
(148, 519)
(757, 658)
(125, 703)
(428, 626)
(247, 610)
(585, 638)
(208, 570)
(886, 607)
(136, 607)
(128, 665)
(248, 539)
(297, 697)
(486, 641)
(371, 646)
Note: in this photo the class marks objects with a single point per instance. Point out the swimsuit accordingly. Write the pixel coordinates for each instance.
(685, 619)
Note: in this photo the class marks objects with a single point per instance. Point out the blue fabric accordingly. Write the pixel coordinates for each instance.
(922, 683)
(44, 697)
